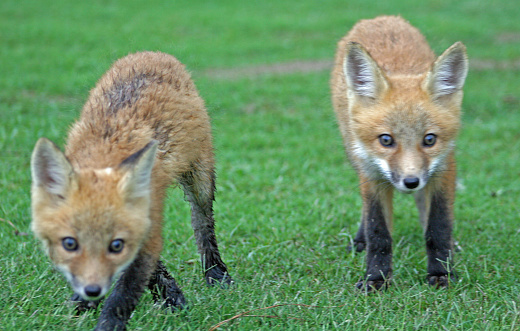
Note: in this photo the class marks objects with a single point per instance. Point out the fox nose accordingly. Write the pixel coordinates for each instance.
(93, 290)
(411, 182)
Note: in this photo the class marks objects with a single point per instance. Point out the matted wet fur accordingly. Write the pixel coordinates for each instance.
(98, 207)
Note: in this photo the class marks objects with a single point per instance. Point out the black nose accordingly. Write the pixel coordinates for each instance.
(411, 182)
(93, 290)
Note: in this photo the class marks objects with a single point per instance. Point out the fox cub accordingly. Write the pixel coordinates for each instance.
(398, 109)
(98, 207)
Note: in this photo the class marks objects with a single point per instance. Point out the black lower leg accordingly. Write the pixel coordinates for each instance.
(379, 248)
(439, 242)
(125, 296)
(164, 289)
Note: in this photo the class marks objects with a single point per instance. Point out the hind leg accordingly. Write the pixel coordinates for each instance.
(164, 288)
(199, 187)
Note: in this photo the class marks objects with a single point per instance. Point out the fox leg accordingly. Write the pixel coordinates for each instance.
(377, 210)
(124, 298)
(439, 242)
(164, 288)
(438, 231)
(199, 188)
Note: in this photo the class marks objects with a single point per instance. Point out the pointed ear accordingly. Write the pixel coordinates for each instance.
(448, 73)
(50, 169)
(363, 76)
(138, 167)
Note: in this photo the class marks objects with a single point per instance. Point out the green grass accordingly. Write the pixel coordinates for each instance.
(287, 201)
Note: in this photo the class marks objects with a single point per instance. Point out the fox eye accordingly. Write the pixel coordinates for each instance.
(429, 140)
(116, 246)
(386, 140)
(70, 244)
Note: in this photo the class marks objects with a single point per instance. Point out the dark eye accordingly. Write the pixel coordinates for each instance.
(386, 140)
(116, 246)
(429, 140)
(70, 244)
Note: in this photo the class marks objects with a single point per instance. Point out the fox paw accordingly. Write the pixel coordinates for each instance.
(81, 305)
(440, 281)
(369, 286)
(174, 300)
(358, 246)
(216, 275)
(164, 289)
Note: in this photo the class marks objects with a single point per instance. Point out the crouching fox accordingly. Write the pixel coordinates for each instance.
(398, 109)
(98, 207)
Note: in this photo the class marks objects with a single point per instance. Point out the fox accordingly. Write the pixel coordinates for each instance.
(398, 109)
(98, 206)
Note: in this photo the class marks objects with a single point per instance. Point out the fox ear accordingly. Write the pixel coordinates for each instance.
(448, 73)
(363, 76)
(50, 169)
(138, 166)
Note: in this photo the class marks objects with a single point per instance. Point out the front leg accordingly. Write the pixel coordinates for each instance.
(125, 296)
(378, 240)
(439, 240)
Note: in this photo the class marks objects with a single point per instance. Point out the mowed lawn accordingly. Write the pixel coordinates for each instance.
(288, 201)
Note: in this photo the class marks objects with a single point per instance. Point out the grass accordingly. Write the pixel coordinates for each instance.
(287, 201)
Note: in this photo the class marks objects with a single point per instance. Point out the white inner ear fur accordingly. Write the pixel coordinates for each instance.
(361, 72)
(136, 183)
(449, 72)
(50, 168)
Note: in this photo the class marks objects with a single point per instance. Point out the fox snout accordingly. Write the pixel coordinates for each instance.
(406, 179)
(411, 182)
(90, 285)
(408, 183)
(91, 291)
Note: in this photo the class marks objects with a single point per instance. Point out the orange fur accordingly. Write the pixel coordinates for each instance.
(144, 112)
(399, 90)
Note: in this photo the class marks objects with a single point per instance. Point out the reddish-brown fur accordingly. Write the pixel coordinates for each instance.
(397, 90)
(145, 107)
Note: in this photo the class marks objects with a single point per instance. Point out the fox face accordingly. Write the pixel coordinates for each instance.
(92, 221)
(403, 128)
(405, 145)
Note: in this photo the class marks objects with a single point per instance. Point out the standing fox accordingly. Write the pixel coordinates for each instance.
(98, 207)
(398, 110)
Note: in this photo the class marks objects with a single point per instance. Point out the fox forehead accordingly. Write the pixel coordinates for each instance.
(93, 207)
(406, 109)
(85, 222)
(99, 182)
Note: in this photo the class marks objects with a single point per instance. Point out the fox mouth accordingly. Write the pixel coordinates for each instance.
(90, 292)
(406, 190)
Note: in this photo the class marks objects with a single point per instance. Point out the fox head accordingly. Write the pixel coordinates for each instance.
(92, 222)
(403, 126)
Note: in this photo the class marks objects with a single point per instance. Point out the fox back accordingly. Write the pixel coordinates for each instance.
(98, 207)
(398, 110)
